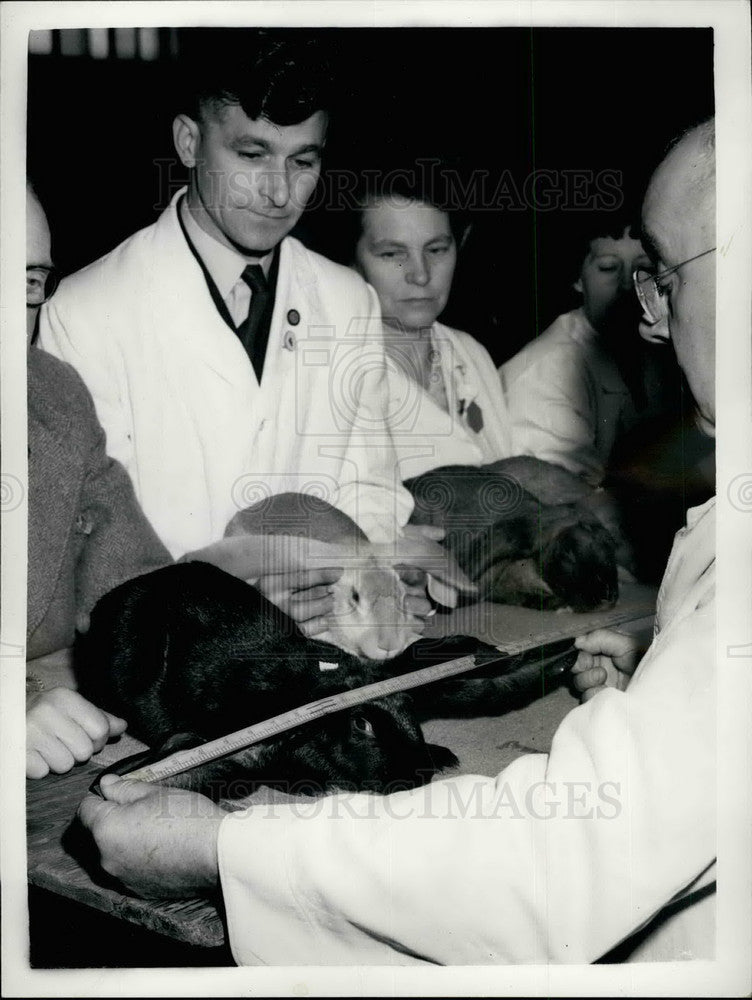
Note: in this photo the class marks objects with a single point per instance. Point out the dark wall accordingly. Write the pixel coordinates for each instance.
(500, 103)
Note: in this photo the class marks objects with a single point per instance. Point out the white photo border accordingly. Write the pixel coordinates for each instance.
(729, 974)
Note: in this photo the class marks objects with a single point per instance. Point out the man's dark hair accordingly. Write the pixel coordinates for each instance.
(283, 76)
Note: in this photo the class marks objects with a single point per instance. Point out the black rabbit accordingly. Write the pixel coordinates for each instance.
(189, 653)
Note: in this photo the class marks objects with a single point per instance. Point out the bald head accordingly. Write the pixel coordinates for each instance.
(680, 200)
(38, 248)
(678, 217)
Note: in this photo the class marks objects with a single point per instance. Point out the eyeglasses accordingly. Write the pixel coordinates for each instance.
(41, 282)
(652, 296)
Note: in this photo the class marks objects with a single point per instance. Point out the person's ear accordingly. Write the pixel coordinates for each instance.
(654, 333)
(578, 285)
(186, 135)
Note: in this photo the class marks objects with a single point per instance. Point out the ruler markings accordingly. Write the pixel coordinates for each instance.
(185, 760)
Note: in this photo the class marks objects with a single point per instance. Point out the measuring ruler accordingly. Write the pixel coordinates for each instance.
(186, 760)
(556, 646)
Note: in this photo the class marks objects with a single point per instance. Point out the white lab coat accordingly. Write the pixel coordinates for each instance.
(566, 398)
(180, 403)
(557, 859)
(427, 436)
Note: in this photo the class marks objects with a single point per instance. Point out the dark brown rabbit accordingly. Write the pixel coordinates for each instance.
(525, 531)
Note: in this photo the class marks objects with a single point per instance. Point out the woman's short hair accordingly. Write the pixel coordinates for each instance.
(581, 228)
(425, 182)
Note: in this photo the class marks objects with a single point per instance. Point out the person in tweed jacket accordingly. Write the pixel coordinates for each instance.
(86, 535)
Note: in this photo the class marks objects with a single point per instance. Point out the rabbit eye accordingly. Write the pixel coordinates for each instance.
(355, 597)
(361, 725)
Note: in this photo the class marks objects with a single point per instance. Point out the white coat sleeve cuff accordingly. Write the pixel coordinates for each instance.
(259, 902)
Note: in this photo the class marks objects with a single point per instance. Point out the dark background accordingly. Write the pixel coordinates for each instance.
(492, 99)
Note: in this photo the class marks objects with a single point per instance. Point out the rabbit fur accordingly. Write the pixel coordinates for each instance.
(189, 653)
(369, 619)
(525, 531)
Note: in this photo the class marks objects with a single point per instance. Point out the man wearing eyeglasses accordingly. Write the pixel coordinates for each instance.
(87, 534)
(472, 870)
(678, 299)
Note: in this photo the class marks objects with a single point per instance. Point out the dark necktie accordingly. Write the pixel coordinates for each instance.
(255, 278)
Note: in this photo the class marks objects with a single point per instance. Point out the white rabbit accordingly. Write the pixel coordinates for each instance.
(370, 618)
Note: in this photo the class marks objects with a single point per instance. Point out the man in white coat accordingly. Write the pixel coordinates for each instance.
(226, 361)
(561, 856)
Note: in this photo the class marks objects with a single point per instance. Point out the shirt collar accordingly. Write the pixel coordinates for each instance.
(695, 514)
(584, 331)
(224, 264)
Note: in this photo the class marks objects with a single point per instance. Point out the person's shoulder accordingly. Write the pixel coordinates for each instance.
(116, 266)
(58, 395)
(463, 342)
(557, 343)
(450, 333)
(561, 332)
(57, 377)
(325, 270)
(458, 336)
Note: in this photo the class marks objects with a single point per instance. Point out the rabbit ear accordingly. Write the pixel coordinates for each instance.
(448, 575)
(442, 593)
(249, 557)
(432, 558)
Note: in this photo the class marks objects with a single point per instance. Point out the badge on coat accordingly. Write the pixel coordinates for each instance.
(474, 416)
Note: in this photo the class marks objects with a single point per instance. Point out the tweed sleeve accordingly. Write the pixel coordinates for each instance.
(120, 543)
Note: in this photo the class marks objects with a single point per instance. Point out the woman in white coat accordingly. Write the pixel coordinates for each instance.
(446, 404)
(577, 387)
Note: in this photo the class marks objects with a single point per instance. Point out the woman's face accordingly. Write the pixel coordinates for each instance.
(606, 277)
(407, 252)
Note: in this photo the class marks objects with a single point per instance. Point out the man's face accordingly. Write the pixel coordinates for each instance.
(251, 179)
(606, 277)
(679, 222)
(38, 254)
(407, 252)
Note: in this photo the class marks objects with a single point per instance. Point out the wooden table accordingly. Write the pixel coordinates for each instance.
(51, 805)
(483, 745)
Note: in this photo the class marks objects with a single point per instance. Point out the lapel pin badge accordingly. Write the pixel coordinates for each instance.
(289, 341)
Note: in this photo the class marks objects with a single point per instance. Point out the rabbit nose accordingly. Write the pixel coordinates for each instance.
(390, 645)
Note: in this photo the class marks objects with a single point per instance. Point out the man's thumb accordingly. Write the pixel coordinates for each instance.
(117, 725)
(123, 790)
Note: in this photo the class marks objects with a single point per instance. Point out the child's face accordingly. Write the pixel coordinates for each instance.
(606, 276)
